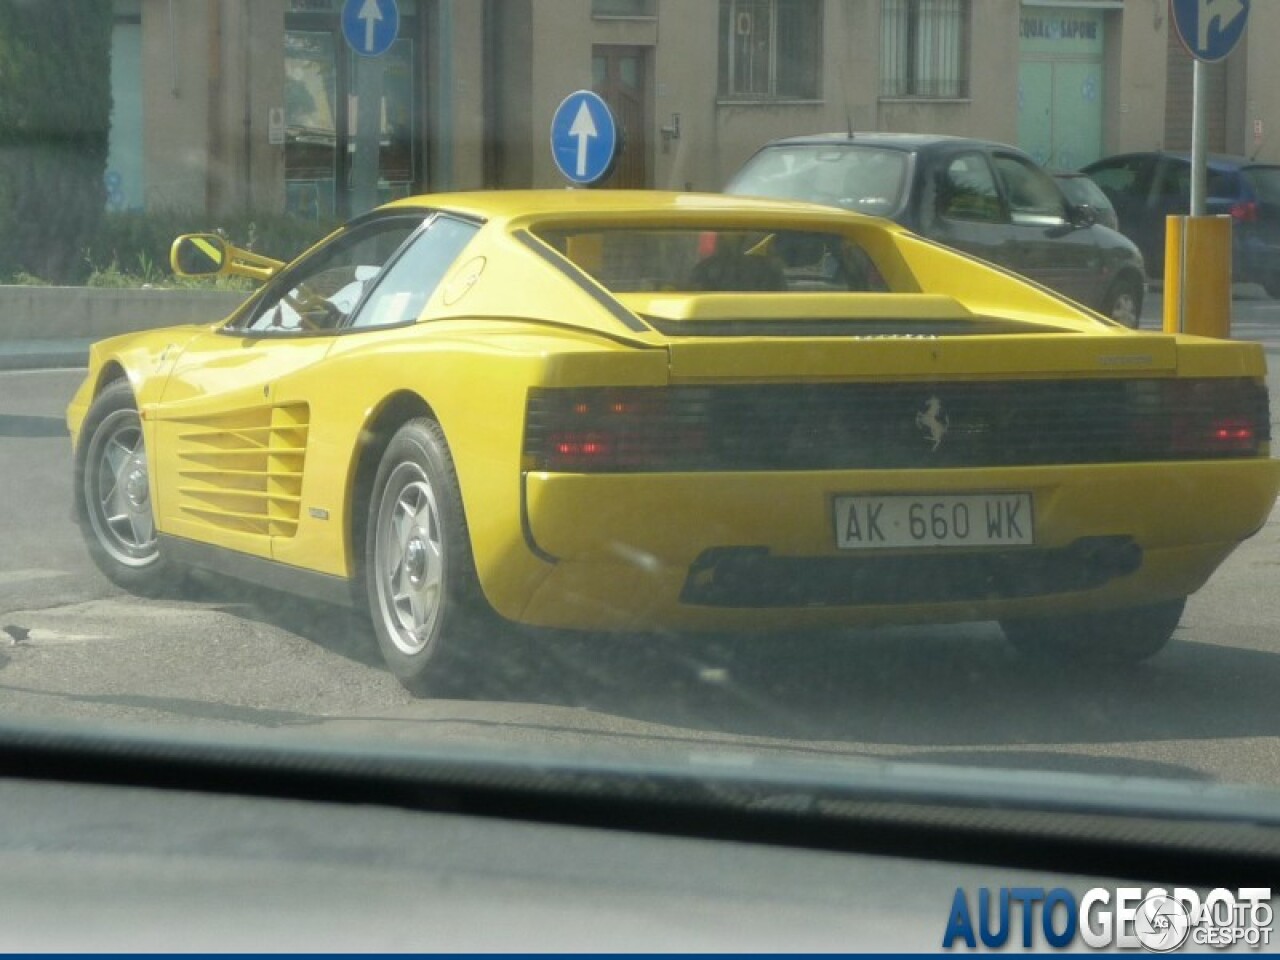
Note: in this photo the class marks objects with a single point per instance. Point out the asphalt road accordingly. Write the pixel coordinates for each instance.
(74, 648)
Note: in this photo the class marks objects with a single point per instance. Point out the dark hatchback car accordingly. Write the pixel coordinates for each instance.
(986, 199)
(1145, 188)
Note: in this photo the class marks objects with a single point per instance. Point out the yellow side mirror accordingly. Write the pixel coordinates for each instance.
(208, 255)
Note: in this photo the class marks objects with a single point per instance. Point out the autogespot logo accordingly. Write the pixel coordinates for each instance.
(1162, 923)
(1126, 918)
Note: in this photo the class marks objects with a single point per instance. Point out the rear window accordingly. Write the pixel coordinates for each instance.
(719, 261)
(863, 179)
(1265, 182)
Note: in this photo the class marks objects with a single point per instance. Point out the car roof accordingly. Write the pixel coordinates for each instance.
(894, 141)
(506, 205)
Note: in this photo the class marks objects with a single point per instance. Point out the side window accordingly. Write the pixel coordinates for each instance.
(1174, 184)
(321, 291)
(408, 283)
(967, 190)
(1033, 196)
(1223, 184)
(1118, 176)
(1126, 182)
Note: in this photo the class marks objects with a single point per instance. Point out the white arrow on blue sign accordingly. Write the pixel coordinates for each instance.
(1209, 29)
(370, 26)
(584, 137)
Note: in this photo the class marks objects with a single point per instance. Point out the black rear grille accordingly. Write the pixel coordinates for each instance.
(752, 577)
(896, 426)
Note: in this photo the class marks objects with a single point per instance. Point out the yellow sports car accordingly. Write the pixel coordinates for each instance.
(640, 411)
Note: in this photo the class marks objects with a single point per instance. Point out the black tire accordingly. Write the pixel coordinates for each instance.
(420, 581)
(1272, 285)
(113, 497)
(1123, 302)
(1117, 636)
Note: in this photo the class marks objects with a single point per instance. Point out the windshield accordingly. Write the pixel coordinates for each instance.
(864, 179)
(719, 384)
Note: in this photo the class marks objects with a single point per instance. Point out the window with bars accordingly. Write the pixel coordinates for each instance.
(924, 48)
(770, 49)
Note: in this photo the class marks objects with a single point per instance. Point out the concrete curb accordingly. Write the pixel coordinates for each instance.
(44, 354)
(53, 327)
(88, 313)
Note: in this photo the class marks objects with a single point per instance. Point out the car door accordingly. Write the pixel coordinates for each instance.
(961, 206)
(232, 436)
(1050, 248)
(372, 358)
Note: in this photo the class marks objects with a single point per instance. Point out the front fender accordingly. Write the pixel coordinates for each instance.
(144, 358)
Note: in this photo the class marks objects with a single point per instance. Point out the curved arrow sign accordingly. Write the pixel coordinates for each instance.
(1209, 29)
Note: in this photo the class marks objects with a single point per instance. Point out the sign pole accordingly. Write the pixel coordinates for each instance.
(1199, 138)
(365, 163)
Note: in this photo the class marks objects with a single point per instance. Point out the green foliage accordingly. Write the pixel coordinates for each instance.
(55, 112)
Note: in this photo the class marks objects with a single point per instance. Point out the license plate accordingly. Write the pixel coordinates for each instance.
(894, 521)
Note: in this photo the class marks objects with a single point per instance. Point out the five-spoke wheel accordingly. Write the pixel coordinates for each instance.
(113, 493)
(419, 574)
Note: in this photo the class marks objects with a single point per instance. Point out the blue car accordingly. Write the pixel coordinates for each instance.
(1145, 188)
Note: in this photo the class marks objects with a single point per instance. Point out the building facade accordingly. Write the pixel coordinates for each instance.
(223, 105)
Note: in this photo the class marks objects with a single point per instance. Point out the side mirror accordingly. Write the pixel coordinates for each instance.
(208, 255)
(199, 255)
(1083, 216)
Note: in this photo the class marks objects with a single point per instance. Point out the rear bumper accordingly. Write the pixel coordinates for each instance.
(757, 551)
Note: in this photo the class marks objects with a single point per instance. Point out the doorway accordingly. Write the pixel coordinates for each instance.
(620, 75)
(1061, 85)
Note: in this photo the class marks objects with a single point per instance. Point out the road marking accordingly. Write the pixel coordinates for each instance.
(44, 637)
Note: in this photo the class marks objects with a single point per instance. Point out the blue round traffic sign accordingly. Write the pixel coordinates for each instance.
(584, 137)
(1209, 29)
(370, 26)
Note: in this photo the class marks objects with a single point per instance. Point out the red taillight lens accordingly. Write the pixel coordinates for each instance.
(1218, 418)
(1234, 434)
(1246, 212)
(594, 430)
(707, 243)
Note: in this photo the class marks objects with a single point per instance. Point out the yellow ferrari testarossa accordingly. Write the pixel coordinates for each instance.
(649, 411)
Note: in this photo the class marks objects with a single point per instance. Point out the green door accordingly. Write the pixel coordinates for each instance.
(1035, 109)
(1060, 85)
(1077, 114)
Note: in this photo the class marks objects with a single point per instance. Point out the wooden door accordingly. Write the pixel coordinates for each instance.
(621, 76)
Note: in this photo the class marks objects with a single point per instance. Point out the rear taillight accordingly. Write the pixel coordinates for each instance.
(1245, 212)
(1218, 418)
(616, 429)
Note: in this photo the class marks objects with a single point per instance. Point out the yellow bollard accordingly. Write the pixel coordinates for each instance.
(1197, 276)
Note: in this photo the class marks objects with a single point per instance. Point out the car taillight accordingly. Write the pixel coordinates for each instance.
(616, 429)
(1218, 418)
(1245, 212)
